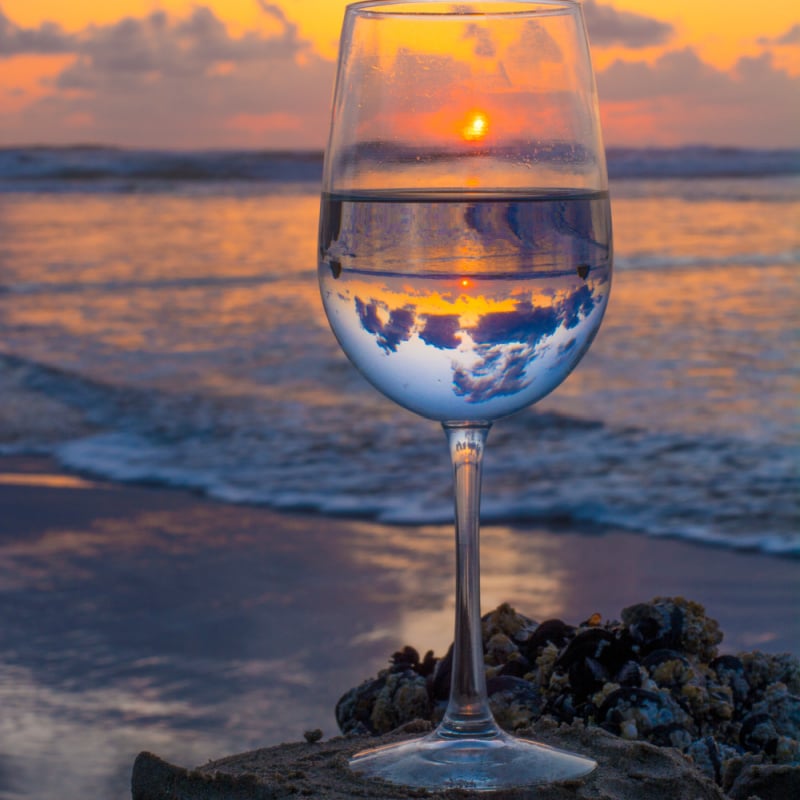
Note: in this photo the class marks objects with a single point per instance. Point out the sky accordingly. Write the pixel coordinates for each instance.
(259, 73)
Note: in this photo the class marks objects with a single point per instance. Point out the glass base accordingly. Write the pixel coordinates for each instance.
(500, 761)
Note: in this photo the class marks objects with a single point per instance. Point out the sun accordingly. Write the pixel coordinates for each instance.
(476, 126)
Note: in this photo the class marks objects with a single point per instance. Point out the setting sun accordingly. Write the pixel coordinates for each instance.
(476, 128)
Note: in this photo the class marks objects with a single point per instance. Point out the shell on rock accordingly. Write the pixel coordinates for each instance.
(637, 713)
(506, 620)
(629, 674)
(551, 631)
(592, 659)
(673, 623)
(517, 667)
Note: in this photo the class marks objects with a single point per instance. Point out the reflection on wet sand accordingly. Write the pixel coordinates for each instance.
(192, 629)
(156, 620)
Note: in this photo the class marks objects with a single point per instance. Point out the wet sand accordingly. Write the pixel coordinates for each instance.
(197, 629)
(625, 771)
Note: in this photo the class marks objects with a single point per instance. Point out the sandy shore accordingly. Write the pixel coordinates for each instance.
(626, 771)
(273, 616)
(544, 573)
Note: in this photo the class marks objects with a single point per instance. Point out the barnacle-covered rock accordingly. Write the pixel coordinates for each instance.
(408, 658)
(552, 632)
(729, 671)
(380, 705)
(766, 782)
(354, 709)
(545, 665)
(783, 708)
(591, 659)
(515, 702)
(709, 704)
(672, 734)
(709, 756)
(499, 649)
(507, 621)
(673, 623)
(517, 667)
(763, 670)
(758, 734)
(655, 676)
(600, 697)
(402, 698)
(639, 713)
(669, 668)
(630, 674)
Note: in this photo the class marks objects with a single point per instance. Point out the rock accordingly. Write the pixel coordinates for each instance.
(656, 676)
(767, 782)
(627, 771)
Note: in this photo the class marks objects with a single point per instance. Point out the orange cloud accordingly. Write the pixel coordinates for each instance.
(160, 80)
(609, 26)
(259, 73)
(680, 98)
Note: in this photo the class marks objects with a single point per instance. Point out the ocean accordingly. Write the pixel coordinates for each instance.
(160, 322)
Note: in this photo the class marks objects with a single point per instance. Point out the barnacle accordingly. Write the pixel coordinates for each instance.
(655, 676)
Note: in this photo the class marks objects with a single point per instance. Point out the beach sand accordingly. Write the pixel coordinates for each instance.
(544, 573)
(626, 771)
(327, 600)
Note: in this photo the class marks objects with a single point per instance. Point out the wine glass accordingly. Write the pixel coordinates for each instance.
(465, 265)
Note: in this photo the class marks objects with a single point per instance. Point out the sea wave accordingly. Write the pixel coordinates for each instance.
(108, 169)
(720, 490)
(701, 162)
(56, 286)
(651, 261)
(119, 170)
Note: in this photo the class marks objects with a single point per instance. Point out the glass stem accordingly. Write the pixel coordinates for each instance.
(468, 711)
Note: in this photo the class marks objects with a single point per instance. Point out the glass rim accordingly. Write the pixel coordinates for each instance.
(465, 8)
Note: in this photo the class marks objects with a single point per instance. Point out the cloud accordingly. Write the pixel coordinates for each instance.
(679, 72)
(792, 36)
(392, 331)
(607, 27)
(47, 39)
(680, 98)
(502, 371)
(184, 81)
(507, 342)
(163, 80)
(526, 324)
(156, 47)
(440, 331)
